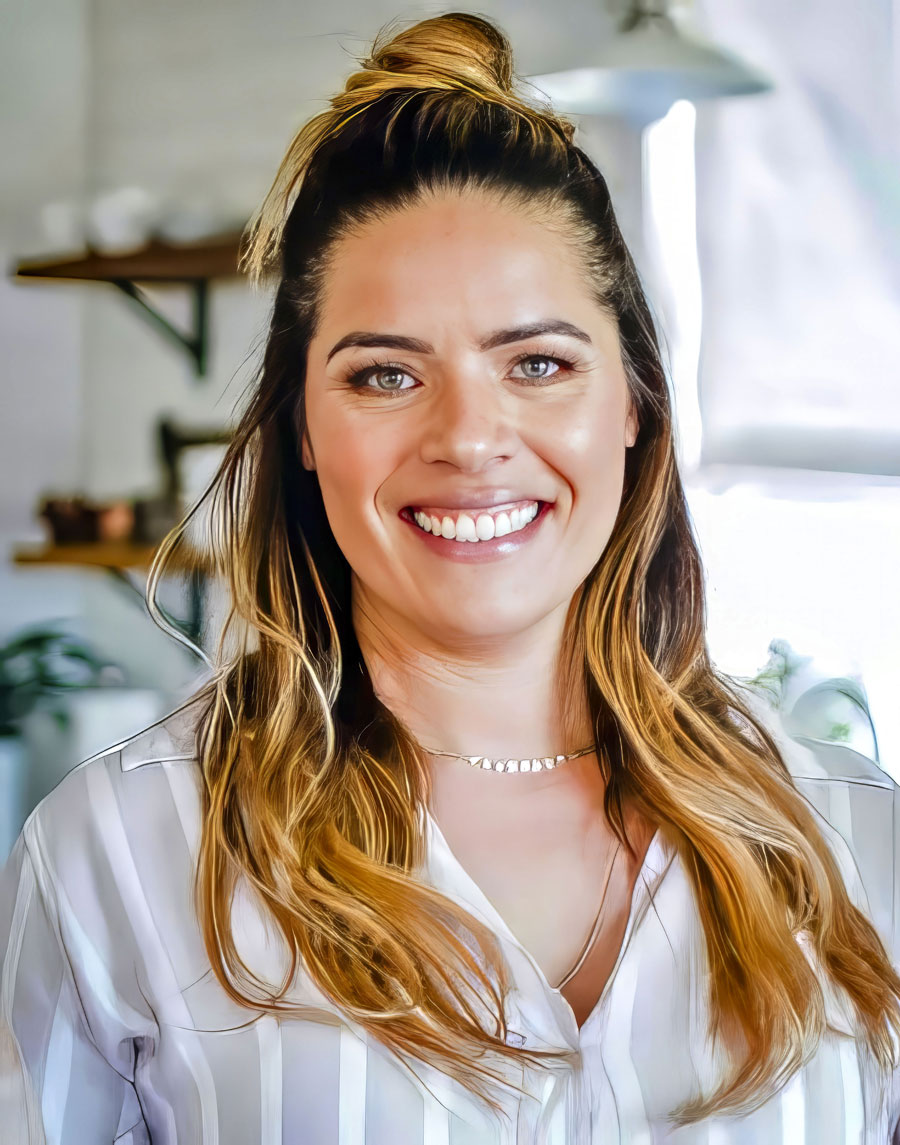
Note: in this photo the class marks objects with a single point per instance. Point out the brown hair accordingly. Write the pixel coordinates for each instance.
(314, 790)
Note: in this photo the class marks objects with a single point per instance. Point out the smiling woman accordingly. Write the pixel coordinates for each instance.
(388, 877)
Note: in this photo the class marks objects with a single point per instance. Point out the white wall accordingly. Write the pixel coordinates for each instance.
(43, 67)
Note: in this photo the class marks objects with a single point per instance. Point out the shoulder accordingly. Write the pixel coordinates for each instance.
(107, 859)
(138, 798)
(858, 809)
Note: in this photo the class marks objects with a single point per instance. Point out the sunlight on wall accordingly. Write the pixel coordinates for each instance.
(670, 238)
(810, 558)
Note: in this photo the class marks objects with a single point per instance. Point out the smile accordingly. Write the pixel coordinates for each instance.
(475, 524)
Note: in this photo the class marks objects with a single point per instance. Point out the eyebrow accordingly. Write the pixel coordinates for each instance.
(491, 342)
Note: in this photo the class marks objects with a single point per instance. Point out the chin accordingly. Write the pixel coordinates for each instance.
(481, 625)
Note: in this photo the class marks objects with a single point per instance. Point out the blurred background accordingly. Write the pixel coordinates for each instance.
(753, 153)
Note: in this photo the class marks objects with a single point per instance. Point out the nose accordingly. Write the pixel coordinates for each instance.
(470, 425)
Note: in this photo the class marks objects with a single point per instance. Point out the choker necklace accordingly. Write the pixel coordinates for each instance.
(545, 763)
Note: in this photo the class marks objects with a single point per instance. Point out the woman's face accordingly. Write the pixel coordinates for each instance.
(433, 396)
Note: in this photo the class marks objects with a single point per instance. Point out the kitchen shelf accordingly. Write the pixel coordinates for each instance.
(157, 263)
(106, 554)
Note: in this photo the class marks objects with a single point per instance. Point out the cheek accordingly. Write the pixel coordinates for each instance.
(353, 459)
(588, 447)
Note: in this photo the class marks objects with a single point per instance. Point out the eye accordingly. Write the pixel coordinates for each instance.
(387, 376)
(390, 378)
(536, 366)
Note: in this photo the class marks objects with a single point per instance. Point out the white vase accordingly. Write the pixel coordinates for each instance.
(93, 719)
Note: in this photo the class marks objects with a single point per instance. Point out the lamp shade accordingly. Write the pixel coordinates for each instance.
(643, 70)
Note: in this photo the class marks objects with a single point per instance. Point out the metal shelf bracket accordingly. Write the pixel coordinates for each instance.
(194, 343)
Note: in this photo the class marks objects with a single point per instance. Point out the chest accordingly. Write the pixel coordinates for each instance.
(646, 1054)
(564, 891)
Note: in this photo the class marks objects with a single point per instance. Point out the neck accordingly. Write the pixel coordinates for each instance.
(496, 696)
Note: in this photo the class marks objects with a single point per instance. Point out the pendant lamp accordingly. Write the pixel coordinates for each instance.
(640, 72)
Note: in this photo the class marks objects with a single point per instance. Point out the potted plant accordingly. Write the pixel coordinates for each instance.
(813, 708)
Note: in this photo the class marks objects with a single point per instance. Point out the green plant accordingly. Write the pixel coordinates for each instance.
(46, 660)
(813, 707)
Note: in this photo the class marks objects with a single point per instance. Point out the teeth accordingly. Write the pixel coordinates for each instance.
(465, 528)
(478, 527)
(484, 527)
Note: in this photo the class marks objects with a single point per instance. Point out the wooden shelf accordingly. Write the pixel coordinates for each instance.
(156, 262)
(161, 264)
(103, 554)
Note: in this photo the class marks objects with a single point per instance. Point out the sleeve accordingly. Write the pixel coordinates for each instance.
(56, 1087)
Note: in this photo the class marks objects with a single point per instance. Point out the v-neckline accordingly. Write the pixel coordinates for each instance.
(657, 859)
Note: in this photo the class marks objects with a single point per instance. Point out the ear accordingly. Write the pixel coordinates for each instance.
(631, 425)
(306, 453)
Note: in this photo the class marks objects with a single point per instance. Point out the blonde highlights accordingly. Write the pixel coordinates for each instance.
(314, 791)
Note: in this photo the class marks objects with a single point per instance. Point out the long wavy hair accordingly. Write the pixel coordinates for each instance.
(314, 791)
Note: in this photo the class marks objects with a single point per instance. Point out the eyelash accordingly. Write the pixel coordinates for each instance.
(357, 378)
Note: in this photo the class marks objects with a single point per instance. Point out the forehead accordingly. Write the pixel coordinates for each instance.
(454, 257)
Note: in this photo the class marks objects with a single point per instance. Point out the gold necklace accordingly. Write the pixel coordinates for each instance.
(585, 950)
(544, 763)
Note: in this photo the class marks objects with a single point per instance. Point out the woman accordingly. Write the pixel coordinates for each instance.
(485, 850)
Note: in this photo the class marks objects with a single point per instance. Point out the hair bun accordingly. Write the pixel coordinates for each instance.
(455, 50)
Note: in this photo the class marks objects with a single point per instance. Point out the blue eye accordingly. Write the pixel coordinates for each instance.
(388, 379)
(359, 380)
(532, 358)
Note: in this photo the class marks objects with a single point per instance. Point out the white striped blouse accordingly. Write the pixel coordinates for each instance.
(114, 1028)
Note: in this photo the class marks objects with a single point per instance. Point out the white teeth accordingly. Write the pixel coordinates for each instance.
(502, 525)
(482, 527)
(465, 528)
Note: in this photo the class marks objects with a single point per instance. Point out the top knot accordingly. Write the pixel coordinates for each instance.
(453, 53)
(455, 49)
